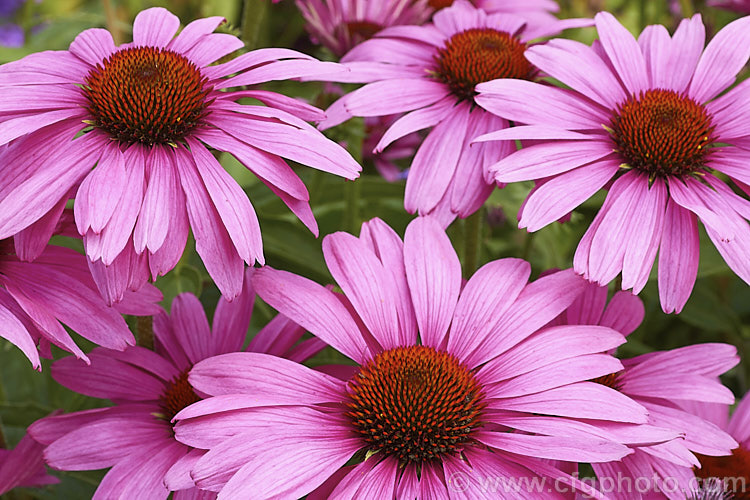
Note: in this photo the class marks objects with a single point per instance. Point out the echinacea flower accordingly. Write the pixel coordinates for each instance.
(642, 118)
(339, 25)
(429, 73)
(730, 474)
(135, 436)
(37, 298)
(23, 466)
(145, 116)
(450, 383)
(663, 382)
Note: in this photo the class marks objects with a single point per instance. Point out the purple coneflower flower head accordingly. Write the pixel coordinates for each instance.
(729, 474)
(448, 382)
(23, 466)
(37, 298)
(663, 382)
(429, 72)
(145, 116)
(642, 118)
(339, 25)
(135, 436)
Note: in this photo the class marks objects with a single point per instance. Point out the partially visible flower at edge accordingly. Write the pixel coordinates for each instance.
(135, 436)
(428, 73)
(642, 119)
(144, 116)
(663, 382)
(57, 288)
(23, 466)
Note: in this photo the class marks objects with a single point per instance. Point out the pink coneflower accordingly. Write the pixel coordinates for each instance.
(429, 72)
(135, 436)
(23, 466)
(449, 381)
(144, 115)
(339, 25)
(661, 381)
(37, 298)
(729, 474)
(642, 118)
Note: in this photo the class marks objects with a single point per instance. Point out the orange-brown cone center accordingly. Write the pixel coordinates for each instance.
(415, 403)
(479, 55)
(662, 133)
(731, 471)
(147, 95)
(178, 395)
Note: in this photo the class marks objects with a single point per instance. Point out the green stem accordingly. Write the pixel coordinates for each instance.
(253, 18)
(3, 442)
(144, 331)
(472, 239)
(353, 193)
(642, 14)
(528, 245)
(113, 26)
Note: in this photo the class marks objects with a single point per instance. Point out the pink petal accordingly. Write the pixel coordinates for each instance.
(141, 475)
(555, 447)
(363, 279)
(15, 332)
(50, 181)
(560, 195)
(549, 346)
(93, 46)
(580, 400)
(556, 292)
(31, 242)
(536, 104)
(624, 313)
(101, 191)
(724, 57)
(485, 298)
(389, 248)
(647, 220)
(313, 307)
(433, 272)
(623, 52)
(306, 146)
(231, 202)
(212, 242)
(190, 326)
(546, 159)
(155, 218)
(108, 378)
(579, 67)
(232, 320)
(416, 120)
(394, 96)
(435, 162)
(678, 257)
(194, 32)
(154, 27)
(261, 374)
(71, 302)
